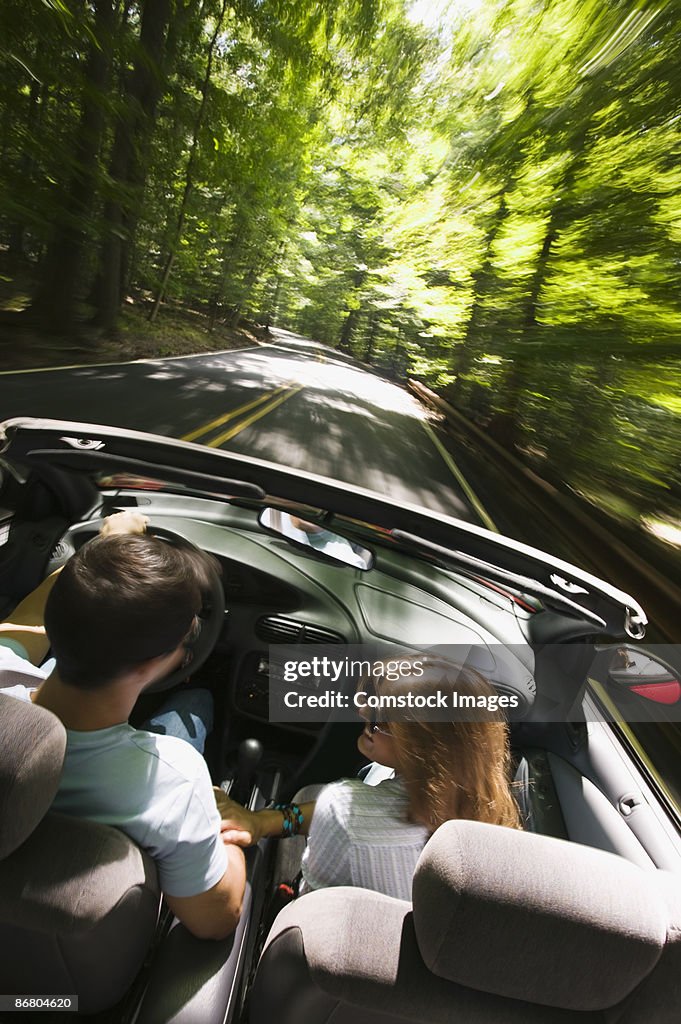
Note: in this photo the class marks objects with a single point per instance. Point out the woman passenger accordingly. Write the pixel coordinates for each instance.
(372, 835)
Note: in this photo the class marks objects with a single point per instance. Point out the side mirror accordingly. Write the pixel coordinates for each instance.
(639, 672)
(309, 535)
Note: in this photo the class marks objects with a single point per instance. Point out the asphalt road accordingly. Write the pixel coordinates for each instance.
(292, 402)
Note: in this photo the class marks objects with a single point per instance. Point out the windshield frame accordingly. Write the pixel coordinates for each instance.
(34, 442)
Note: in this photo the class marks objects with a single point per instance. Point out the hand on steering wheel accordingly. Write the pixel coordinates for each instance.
(123, 522)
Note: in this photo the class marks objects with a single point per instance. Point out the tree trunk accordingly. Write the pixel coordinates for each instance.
(351, 319)
(228, 256)
(396, 358)
(5, 132)
(272, 311)
(56, 300)
(371, 339)
(130, 156)
(520, 373)
(250, 279)
(189, 177)
(274, 300)
(17, 230)
(468, 350)
(348, 327)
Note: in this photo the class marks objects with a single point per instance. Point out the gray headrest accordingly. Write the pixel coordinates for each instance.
(32, 745)
(530, 917)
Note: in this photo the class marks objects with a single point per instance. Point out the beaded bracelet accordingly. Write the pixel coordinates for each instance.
(293, 819)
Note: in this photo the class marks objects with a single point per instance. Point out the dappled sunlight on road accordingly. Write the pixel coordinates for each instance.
(164, 375)
(368, 446)
(99, 375)
(266, 368)
(295, 405)
(367, 402)
(201, 384)
(362, 386)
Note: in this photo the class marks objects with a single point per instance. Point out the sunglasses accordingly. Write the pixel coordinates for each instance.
(372, 727)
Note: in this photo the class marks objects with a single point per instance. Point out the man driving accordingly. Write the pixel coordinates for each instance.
(119, 617)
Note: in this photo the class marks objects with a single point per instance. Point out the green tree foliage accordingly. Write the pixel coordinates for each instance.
(489, 199)
(161, 145)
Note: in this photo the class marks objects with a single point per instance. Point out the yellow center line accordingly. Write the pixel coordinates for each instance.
(238, 427)
(234, 412)
(465, 486)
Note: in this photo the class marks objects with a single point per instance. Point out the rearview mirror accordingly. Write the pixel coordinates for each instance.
(318, 538)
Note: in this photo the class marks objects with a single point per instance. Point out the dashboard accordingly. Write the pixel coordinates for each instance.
(279, 593)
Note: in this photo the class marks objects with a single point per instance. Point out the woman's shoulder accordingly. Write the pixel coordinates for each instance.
(349, 801)
(357, 789)
(339, 793)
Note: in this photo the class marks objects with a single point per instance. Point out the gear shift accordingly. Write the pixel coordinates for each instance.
(249, 757)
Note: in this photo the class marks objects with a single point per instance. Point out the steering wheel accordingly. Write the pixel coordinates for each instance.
(211, 614)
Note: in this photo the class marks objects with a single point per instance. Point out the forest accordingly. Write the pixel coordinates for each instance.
(484, 195)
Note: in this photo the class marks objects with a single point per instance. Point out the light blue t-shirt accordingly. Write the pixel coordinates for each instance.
(155, 788)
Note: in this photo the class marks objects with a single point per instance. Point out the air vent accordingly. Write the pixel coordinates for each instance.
(275, 629)
(319, 635)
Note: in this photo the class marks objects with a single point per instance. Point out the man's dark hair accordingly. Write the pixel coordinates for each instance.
(119, 601)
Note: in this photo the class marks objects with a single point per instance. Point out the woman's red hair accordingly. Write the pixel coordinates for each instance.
(451, 769)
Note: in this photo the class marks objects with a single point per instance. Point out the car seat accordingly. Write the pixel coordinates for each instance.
(505, 926)
(79, 901)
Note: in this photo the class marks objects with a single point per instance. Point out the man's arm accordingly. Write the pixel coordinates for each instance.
(214, 914)
(246, 828)
(25, 624)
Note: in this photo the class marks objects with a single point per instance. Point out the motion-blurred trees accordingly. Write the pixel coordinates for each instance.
(160, 144)
(491, 202)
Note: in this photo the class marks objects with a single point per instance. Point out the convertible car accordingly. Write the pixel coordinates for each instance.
(577, 918)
